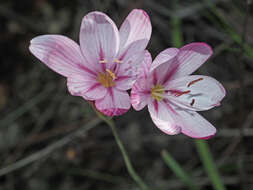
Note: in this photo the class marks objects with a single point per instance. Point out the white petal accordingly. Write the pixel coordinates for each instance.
(59, 53)
(136, 27)
(140, 94)
(194, 125)
(191, 57)
(99, 38)
(163, 118)
(203, 92)
(116, 102)
(85, 86)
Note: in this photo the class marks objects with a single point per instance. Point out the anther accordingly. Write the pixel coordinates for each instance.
(111, 73)
(194, 81)
(178, 93)
(117, 61)
(103, 61)
(193, 101)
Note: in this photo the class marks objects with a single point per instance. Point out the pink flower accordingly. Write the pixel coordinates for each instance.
(173, 95)
(105, 64)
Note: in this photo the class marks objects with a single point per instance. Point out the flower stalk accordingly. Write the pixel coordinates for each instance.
(126, 158)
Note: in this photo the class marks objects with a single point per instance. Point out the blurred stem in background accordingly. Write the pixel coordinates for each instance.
(178, 170)
(176, 33)
(210, 167)
(201, 145)
(224, 25)
(128, 163)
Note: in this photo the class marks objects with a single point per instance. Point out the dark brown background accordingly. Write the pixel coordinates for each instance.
(36, 109)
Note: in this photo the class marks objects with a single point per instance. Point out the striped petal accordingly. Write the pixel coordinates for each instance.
(191, 57)
(140, 94)
(85, 86)
(99, 38)
(162, 116)
(203, 92)
(60, 54)
(135, 28)
(115, 102)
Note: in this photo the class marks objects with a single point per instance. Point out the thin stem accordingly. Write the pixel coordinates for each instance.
(128, 163)
(178, 170)
(209, 164)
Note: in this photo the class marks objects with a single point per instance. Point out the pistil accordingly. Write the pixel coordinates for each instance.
(107, 78)
(157, 92)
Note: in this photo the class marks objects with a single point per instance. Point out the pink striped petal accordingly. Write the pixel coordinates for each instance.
(173, 63)
(116, 102)
(88, 87)
(129, 70)
(140, 94)
(136, 27)
(99, 38)
(172, 119)
(59, 53)
(145, 65)
(205, 92)
(164, 72)
(124, 82)
(164, 66)
(131, 63)
(165, 57)
(191, 57)
(162, 116)
(194, 125)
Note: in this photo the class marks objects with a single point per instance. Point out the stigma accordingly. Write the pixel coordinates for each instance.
(157, 92)
(107, 78)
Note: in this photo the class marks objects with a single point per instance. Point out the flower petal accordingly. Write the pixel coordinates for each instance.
(115, 102)
(124, 82)
(172, 120)
(164, 57)
(130, 68)
(145, 67)
(99, 38)
(173, 63)
(191, 57)
(86, 86)
(140, 94)
(131, 62)
(162, 116)
(203, 92)
(59, 53)
(136, 27)
(164, 66)
(194, 125)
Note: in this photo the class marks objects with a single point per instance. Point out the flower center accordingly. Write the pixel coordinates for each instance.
(157, 92)
(106, 78)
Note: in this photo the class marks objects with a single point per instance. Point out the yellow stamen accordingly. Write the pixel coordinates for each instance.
(103, 61)
(107, 78)
(111, 74)
(157, 92)
(118, 61)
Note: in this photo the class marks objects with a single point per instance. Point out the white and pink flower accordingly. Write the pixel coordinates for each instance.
(105, 64)
(173, 95)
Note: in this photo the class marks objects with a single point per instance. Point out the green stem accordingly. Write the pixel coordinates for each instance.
(207, 159)
(178, 170)
(128, 163)
(176, 33)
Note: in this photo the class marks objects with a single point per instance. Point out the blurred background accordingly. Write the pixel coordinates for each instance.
(52, 140)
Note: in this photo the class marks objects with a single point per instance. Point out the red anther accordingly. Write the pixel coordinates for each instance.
(193, 101)
(194, 81)
(178, 93)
